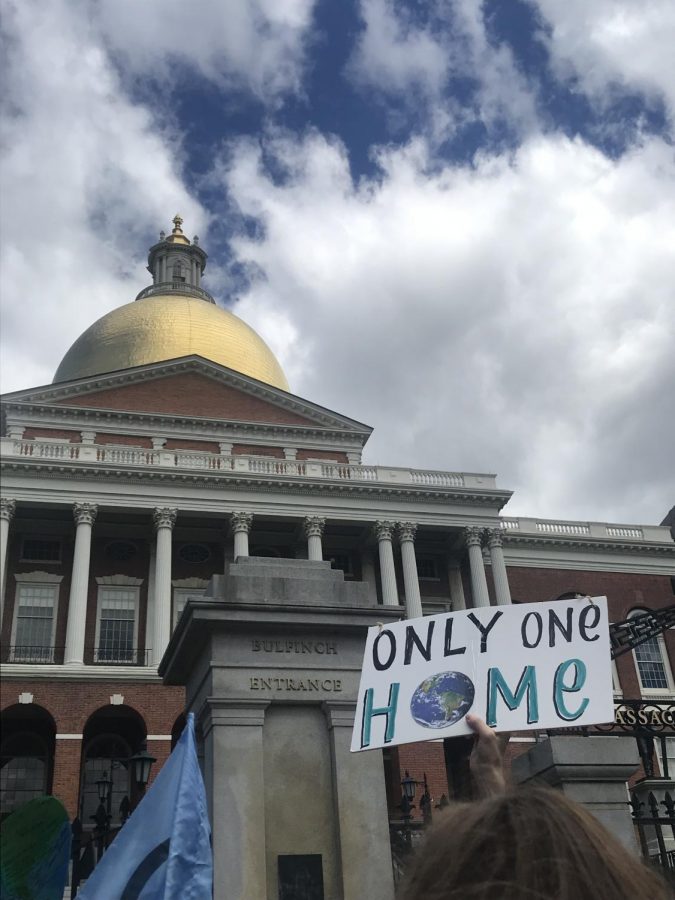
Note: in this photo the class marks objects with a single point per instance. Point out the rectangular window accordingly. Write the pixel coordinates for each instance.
(427, 568)
(34, 623)
(669, 762)
(116, 625)
(651, 667)
(41, 550)
(180, 598)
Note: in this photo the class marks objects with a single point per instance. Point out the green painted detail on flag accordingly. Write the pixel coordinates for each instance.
(35, 851)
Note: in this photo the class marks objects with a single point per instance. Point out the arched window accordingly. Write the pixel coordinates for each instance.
(111, 736)
(106, 756)
(23, 770)
(651, 662)
(26, 755)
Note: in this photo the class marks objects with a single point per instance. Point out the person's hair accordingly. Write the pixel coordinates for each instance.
(526, 844)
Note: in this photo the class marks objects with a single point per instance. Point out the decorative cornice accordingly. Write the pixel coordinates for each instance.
(287, 485)
(406, 531)
(148, 424)
(85, 513)
(7, 508)
(29, 672)
(164, 516)
(314, 526)
(384, 530)
(583, 543)
(241, 522)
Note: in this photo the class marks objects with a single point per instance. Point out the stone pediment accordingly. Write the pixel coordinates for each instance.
(191, 387)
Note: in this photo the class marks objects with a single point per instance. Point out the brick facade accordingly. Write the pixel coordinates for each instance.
(189, 394)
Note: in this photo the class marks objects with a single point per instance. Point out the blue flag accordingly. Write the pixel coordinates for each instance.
(163, 852)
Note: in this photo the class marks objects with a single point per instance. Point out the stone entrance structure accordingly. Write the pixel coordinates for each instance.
(271, 664)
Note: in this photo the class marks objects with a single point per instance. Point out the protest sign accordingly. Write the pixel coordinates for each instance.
(522, 667)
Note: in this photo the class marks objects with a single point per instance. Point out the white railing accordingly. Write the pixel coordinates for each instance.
(184, 459)
(349, 472)
(121, 454)
(563, 528)
(47, 449)
(624, 532)
(437, 479)
(126, 456)
(593, 530)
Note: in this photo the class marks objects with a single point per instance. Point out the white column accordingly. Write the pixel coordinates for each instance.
(164, 519)
(85, 516)
(383, 532)
(499, 576)
(150, 611)
(411, 583)
(456, 587)
(241, 526)
(479, 587)
(156, 272)
(7, 510)
(314, 526)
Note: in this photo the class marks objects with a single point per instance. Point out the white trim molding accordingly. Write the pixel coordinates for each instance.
(38, 578)
(119, 581)
(196, 583)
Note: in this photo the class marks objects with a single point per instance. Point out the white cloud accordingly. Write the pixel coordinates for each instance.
(257, 44)
(86, 179)
(394, 54)
(609, 43)
(413, 62)
(515, 316)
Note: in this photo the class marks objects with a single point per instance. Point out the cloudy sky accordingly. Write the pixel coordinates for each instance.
(452, 220)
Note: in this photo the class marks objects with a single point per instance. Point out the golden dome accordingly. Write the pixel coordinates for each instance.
(168, 326)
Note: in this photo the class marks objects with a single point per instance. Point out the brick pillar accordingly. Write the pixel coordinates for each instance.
(66, 780)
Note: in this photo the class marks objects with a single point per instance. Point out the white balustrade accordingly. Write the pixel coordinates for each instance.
(436, 479)
(618, 531)
(120, 454)
(510, 524)
(563, 528)
(47, 450)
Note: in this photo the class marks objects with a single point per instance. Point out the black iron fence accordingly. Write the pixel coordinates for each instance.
(656, 830)
(404, 838)
(34, 653)
(122, 656)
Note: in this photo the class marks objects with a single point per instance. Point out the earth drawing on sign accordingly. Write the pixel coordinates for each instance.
(442, 699)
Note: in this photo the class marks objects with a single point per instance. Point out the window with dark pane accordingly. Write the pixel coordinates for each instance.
(41, 550)
(35, 610)
(427, 567)
(120, 551)
(194, 553)
(23, 770)
(116, 625)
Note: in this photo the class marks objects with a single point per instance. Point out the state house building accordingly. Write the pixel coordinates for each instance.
(168, 445)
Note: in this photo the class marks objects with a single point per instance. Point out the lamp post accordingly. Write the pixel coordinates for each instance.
(409, 789)
(102, 816)
(141, 763)
(426, 802)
